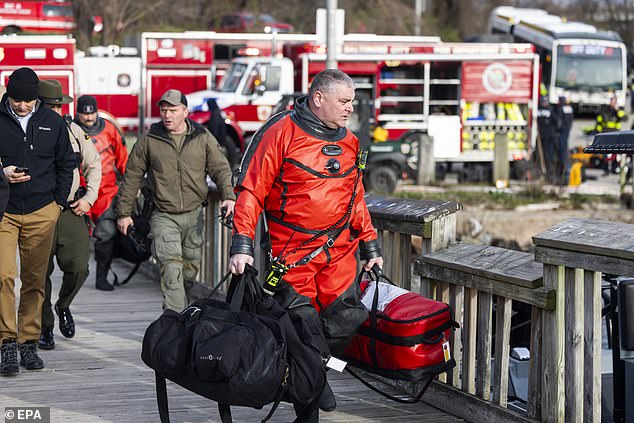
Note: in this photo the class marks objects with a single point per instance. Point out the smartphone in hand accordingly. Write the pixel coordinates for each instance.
(24, 170)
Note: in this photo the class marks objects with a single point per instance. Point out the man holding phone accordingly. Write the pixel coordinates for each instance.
(38, 163)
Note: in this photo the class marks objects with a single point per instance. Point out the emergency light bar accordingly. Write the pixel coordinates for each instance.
(619, 142)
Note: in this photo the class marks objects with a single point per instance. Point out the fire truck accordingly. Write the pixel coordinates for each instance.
(51, 57)
(129, 86)
(464, 95)
(55, 17)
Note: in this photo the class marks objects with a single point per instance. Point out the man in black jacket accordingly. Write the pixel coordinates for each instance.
(4, 191)
(38, 163)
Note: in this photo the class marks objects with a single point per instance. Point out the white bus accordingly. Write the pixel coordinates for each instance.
(585, 65)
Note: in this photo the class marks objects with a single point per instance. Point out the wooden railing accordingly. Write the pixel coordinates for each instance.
(564, 381)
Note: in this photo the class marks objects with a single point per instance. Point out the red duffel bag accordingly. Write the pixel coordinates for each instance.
(406, 336)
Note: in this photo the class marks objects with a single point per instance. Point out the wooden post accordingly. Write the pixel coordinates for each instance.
(582, 249)
(592, 344)
(574, 344)
(501, 167)
(502, 347)
(483, 348)
(426, 173)
(553, 349)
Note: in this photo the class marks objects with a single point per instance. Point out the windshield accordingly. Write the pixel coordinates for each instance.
(589, 68)
(231, 80)
(57, 10)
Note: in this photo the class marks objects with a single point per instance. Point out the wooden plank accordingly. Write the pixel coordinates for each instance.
(502, 350)
(592, 347)
(469, 351)
(407, 210)
(483, 355)
(443, 296)
(405, 270)
(441, 231)
(573, 351)
(535, 375)
(469, 407)
(390, 261)
(580, 260)
(611, 239)
(457, 305)
(553, 349)
(397, 259)
(499, 264)
(541, 297)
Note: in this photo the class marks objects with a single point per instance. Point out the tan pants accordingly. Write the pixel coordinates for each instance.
(33, 234)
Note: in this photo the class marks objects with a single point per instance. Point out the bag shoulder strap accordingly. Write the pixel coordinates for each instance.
(411, 400)
(161, 398)
(225, 413)
(130, 275)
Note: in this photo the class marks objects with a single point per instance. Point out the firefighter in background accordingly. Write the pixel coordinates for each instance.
(609, 120)
(610, 117)
(114, 158)
(565, 117)
(547, 126)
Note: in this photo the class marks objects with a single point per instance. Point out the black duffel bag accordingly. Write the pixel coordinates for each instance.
(243, 352)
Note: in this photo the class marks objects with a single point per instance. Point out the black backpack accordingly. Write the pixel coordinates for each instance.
(248, 351)
(136, 246)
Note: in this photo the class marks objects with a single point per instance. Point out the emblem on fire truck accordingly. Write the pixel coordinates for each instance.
(264, 112)
(497, 78)
(1, 54)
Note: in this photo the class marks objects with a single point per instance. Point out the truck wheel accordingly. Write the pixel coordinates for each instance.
(382, 180)
(11, 30)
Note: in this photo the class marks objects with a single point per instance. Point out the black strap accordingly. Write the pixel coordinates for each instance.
(225, 413)
(161, 398)
(127, 279)
(412, 400)
(333, 231)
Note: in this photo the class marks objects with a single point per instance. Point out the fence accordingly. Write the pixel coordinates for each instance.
(561, 285)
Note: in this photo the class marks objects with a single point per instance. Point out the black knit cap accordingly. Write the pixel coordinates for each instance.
(87, 104)
(23, 85)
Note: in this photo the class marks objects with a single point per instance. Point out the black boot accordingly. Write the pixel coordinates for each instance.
(29, 357)
(312, 418)
(9, 358)
(66, 322)
(101, 280)
(327, 401)
(47, 340)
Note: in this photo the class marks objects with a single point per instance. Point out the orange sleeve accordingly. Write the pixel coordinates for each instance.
(120, 150)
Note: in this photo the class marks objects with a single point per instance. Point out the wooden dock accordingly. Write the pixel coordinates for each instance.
(98, 376)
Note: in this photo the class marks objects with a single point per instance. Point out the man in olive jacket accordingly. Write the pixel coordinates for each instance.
(177, 154)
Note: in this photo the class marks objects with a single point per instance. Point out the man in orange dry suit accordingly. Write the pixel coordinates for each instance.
(114, 157)
(303, 170)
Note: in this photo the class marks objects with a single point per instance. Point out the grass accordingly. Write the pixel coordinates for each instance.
(504, 200)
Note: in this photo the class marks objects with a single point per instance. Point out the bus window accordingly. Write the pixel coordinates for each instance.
(586, 67)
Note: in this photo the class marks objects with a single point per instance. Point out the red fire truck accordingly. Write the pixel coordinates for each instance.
(461, 94)
(54, 17)
(51, 57)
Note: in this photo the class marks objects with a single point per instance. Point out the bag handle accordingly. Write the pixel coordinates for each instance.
(412, 400)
